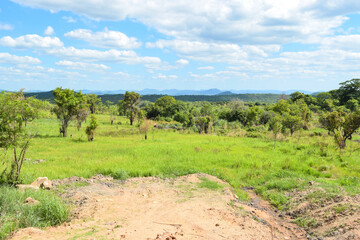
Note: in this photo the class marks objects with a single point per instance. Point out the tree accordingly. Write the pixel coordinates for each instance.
(90, 130)
(15, 110)
(144, 127)
(68, 105)
(352, 104)
(121, 108)
(342, 124)
(92, 100)
(348, 90)
(204, 124)
(275, 126)
(131, 101)
(292, 122)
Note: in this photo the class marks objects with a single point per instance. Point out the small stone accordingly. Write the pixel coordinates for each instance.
(216, 225)
(31, 201)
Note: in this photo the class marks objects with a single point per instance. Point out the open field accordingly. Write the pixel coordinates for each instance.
(241, 161)
(304, 169)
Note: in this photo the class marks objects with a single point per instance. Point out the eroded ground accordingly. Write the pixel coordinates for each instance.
(196, 206)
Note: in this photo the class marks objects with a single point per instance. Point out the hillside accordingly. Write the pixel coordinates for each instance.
(264, 98)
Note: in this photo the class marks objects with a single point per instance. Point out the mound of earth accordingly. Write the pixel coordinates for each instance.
(154, 208)
(326, 215)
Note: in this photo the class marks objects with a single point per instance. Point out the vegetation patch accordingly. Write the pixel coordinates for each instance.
(15, 213)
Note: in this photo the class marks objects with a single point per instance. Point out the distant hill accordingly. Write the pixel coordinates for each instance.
(222, 97)
(176, 92)
(226, 93)
(263, 98)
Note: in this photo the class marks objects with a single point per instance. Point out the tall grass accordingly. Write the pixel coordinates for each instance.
(15, 214)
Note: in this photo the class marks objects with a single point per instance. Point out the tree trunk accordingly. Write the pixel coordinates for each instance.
(145, 136)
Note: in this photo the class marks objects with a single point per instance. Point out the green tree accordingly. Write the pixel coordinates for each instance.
(90, 130)
(68, 104)
(204, 124)
(352, 104)
(276, 126)
(15, 110)
(342, 124)
(292, 122)
(132, 101)
(92, 100)
(348, 90)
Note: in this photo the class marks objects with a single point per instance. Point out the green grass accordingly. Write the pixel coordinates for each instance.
(120, 151)
(14, 214)
(212, 185)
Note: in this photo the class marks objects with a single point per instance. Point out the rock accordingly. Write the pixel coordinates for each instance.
(24, 186)
(42, 182)
(47, 185)
(39, 181)
(31, 201)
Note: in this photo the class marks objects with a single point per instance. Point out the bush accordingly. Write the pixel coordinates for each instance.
(51, 211)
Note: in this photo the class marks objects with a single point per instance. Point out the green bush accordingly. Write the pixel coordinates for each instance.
(15, 214)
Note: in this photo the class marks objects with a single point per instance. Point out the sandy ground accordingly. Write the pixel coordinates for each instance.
(153, 208)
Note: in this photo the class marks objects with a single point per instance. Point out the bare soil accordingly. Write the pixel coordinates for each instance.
(154, 208)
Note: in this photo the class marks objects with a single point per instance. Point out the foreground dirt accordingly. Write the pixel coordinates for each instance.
(153, 208)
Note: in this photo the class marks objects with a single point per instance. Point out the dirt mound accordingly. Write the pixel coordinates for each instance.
(196, 206)
(326, 215)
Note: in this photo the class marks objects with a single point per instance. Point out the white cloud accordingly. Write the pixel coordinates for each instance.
(164, 77)
(31, 41)
(7, 58)
(49, 31)
(112, 55)
(6, 27)
(105, 39)
(344, 42)
(206, 68)
(214, 52)
(82, 66)
(182, 62)
(69, 19)
(233, 21)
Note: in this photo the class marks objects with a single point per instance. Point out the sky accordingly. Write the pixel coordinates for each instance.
(310, 45)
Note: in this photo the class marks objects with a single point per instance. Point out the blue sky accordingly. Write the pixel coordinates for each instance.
(119, 44)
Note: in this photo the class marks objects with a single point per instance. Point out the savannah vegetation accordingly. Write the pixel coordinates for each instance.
(274, 148)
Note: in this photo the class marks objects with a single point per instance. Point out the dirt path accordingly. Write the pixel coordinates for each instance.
(153, 208)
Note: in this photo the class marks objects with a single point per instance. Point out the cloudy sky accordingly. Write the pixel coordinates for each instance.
(185, 44)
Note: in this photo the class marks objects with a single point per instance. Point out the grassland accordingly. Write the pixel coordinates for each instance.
(244, 159)
(119, 150)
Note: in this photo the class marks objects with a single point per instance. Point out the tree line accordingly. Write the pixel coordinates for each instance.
(337, 111)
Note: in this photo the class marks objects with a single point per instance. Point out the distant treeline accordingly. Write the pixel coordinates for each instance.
(263, 98)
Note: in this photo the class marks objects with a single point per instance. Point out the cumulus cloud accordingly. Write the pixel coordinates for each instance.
(31, 41)
(240, 22)
(82, 66)
(49, 31)
(182, 62)
(13, 59)
(214, 52)
(105, 39)
(6, 27)
(112, 55)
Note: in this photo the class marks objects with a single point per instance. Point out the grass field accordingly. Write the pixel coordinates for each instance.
(242, 159)
(119, 150)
